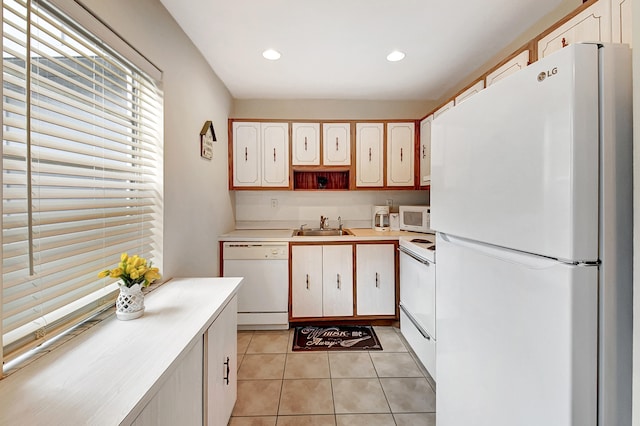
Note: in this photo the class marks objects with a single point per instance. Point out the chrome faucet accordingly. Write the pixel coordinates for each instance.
(324, 222)
(339, 223)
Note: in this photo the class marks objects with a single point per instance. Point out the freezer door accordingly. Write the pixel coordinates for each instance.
(516, 165)
(517, 338)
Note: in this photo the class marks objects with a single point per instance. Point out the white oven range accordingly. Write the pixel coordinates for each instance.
(418, 298)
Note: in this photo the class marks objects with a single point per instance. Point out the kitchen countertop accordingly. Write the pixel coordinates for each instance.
(107, 374)
(286, 235)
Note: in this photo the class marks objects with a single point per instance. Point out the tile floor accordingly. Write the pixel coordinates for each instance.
(277, 386)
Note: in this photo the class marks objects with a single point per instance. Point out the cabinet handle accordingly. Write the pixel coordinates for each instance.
(369, 154)
(424, 154)
(226, 363)
(377, 280)
(245, 153)
(274, 155)
(336, 144)
(305, 143)
(338, 280)
(307, 281)
(564, 42)
(401, 155)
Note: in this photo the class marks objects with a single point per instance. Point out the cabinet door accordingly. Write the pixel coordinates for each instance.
(221, 365)
(369, 154)
(514, 64)
(425, 151)
(375, 279)
(337, 280)
(400, 154)
(275, 158)
(246, 154)
(621, 21)
(306, 144)
(306, 281)
(179, 399)
(478, 86)
(336, 144)
(444, 108)
(592, 24)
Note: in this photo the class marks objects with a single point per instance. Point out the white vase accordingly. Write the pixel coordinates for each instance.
(130, 302)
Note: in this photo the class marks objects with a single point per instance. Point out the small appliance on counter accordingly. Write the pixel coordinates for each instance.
(380, 218)
(394, 221)
(415, 218)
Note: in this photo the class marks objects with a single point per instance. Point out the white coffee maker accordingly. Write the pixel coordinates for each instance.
(380, 218)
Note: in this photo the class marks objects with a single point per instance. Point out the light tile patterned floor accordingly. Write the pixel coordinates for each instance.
(277, 386)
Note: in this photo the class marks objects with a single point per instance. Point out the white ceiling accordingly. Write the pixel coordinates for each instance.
(336, 49)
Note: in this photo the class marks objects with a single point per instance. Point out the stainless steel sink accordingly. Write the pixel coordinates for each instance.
(327, 232)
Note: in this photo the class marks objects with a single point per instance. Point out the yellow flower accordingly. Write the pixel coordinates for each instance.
(132, 270)
(151, 275)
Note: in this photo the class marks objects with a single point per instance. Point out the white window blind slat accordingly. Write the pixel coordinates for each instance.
(82, 167)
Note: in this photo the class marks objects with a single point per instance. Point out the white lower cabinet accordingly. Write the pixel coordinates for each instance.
(204, 383)
(220, 357)
(337, 280)
(321, 280)
(375, 279)
(179, 399)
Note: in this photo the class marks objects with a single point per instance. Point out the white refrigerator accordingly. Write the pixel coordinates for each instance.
(531, 198)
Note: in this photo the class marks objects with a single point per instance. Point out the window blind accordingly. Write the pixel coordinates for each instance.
(82, 162)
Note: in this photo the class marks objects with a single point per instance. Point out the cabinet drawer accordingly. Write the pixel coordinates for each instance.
(424, 348)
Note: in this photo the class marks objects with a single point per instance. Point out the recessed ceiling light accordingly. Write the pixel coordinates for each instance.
(270, 54)
(395, 56)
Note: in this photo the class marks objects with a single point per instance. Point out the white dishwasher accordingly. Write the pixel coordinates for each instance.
(263, 299)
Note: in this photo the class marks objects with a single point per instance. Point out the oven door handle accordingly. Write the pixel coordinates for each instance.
(413, 256)
(415, 323)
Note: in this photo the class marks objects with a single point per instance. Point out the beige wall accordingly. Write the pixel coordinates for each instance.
(197, 205)
(551, 18)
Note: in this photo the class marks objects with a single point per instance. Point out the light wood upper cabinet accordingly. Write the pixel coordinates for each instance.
(400, 154)
(246, 154)
(425, 151)
(513, 65)
(591, 24)
(621, 21)
(375, 279)
(478, 86)
(275, 156)
(369, 154)
(444, 108)
(305, 147)
(336, 144)
(260, 154)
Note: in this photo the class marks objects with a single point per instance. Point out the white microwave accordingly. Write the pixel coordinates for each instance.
(415, 218)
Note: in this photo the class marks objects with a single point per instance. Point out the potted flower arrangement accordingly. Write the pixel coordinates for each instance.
(134, 274)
